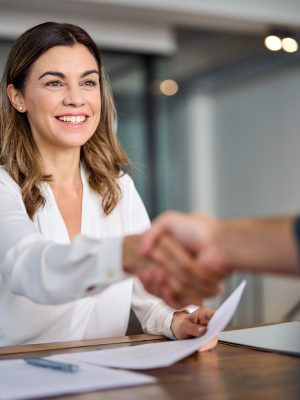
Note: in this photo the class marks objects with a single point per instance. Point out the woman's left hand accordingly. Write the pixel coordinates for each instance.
(186, 325)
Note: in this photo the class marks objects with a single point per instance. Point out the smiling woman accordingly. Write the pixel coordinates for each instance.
(70, 218)
(46, 68)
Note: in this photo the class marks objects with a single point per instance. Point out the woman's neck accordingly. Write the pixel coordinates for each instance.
(64, 168)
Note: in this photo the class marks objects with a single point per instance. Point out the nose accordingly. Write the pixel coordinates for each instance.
(73, 96)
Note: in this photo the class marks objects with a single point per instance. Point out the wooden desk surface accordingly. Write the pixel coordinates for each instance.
(226, 372)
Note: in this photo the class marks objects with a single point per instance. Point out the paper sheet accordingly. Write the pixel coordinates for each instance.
(19, 380)
(162, 354)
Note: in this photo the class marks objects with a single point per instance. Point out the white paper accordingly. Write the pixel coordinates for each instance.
(162, 354)
(19, 380)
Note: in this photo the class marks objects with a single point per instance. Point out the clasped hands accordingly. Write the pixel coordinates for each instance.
(176, 260)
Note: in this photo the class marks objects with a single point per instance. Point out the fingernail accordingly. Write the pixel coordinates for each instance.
(201, 329)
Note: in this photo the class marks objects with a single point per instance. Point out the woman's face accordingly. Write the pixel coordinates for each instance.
(62, 97)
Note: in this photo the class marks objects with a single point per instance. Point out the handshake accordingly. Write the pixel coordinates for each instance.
(184, 258)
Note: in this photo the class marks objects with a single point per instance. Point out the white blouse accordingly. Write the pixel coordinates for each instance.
(52, 289)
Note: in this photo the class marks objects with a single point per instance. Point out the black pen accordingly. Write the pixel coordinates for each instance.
(42, 362)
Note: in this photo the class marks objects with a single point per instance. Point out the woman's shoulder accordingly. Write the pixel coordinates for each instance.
(125, 182)
(124, 179)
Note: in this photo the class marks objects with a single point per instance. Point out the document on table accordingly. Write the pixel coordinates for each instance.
(162, 354)
(280, 338)
(19, 380)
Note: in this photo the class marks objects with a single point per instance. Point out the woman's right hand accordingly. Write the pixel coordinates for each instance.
(170, 271)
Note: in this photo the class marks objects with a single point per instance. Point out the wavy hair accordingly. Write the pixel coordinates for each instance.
(101, 155)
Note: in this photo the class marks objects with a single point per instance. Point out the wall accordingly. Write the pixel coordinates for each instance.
(246, 139)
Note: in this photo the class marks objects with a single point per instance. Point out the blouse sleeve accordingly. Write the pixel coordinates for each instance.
(50, 273)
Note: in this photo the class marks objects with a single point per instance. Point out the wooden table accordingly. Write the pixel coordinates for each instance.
(226, 372)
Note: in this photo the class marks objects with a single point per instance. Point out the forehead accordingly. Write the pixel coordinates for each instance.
(66, 59)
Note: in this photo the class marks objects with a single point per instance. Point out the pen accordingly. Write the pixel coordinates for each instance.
(42, 362)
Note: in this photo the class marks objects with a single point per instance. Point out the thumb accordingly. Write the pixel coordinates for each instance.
(165, 223)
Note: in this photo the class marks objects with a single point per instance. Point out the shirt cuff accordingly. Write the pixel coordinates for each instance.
(108, 268)
(167, 329)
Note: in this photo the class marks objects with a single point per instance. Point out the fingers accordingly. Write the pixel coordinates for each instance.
(202, 316)
(186, 325)
(153, 279)
(208, 346)
(183, 327)
(191, 230)
(190, 329)
(170, 260)
(182, 246)
(175, 275)
(185, 280)
(184, 274)
(155, 282)
(163, 224)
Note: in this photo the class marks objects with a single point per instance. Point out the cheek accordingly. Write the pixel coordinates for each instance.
(38, 105)
(94, 100)
(96, 107)
(96, 104)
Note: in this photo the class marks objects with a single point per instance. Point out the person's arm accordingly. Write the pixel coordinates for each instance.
(253, 245)
(47, 272)
(51, 273)
(256, 245)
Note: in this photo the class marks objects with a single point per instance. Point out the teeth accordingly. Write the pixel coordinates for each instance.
(72, 118)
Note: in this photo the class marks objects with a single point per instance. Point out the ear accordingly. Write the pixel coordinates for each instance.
(16, 98)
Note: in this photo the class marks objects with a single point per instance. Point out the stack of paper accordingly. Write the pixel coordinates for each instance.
(19, 380)
(162, 354)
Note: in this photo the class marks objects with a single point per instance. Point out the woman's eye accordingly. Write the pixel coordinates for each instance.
(90, 83)
(54, 84)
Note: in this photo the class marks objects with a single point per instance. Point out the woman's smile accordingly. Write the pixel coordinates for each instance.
(73, 121)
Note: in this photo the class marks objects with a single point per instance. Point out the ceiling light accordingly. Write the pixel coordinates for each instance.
(289, 44)
(273, 42)
(169, 87)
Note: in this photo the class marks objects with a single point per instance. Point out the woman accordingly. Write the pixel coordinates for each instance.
(65, 203)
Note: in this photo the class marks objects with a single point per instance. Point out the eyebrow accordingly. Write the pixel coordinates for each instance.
(62, 76)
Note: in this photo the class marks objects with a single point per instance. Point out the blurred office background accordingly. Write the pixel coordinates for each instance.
(208, 114)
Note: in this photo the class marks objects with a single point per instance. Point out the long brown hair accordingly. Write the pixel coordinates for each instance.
(101, 155)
